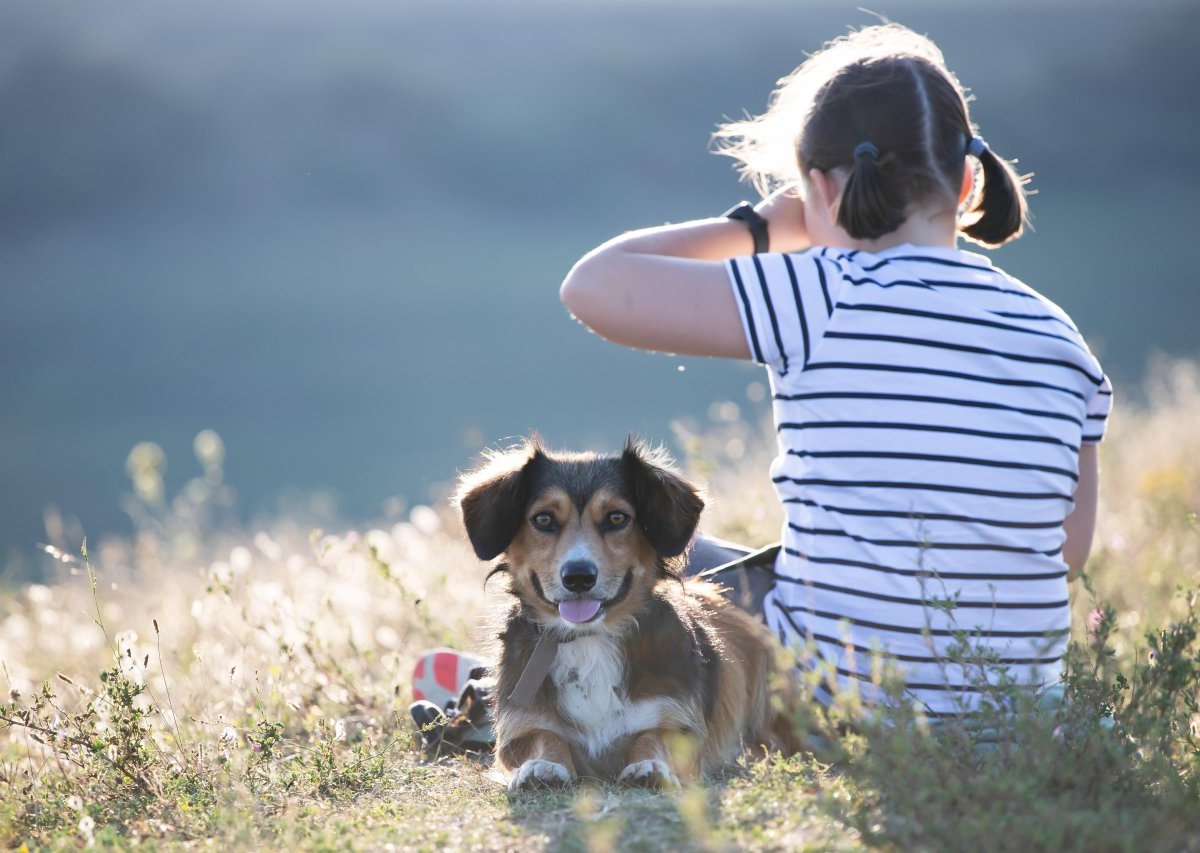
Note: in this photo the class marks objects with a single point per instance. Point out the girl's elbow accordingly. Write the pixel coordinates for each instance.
(568, 291)
(576, 290)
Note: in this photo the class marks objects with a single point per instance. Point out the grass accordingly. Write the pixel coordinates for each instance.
(204, 685)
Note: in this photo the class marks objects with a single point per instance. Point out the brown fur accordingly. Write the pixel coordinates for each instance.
(689, 673)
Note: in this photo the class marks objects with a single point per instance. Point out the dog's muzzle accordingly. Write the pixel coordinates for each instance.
(579, 575)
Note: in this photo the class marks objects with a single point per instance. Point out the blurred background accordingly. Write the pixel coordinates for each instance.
(333, 232)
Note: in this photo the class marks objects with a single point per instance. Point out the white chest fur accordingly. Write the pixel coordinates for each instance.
(589, 674)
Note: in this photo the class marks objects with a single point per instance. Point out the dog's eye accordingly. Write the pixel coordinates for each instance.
(543, 521)
(616, 520)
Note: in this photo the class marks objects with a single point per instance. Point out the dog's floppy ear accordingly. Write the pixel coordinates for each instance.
(492, 498)
(668, 507)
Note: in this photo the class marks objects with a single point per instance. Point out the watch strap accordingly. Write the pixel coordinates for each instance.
(745, 212)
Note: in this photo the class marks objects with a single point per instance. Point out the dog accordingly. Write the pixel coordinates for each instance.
(610, 663)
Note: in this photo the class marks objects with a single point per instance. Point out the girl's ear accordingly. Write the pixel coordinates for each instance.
(826, 189)
(821, 193)
(493, 497)
(667, 506)
(968, 183)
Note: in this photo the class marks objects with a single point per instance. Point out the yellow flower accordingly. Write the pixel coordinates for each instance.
(1169, 481)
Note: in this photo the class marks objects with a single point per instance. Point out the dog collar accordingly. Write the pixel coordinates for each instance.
(536, 669)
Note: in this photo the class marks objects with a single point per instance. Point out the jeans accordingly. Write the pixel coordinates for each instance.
(747, 575)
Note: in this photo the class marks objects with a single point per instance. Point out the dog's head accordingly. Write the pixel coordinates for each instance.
(585, 537)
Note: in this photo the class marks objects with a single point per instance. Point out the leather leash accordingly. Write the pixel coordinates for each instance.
(535, 671)
(761, 556)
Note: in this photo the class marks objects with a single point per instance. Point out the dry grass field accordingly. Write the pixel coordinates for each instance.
(206, 686)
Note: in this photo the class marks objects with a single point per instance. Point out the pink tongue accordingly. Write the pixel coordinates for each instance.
(578, 609)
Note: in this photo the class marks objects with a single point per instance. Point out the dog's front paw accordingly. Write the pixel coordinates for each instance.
(537, 773)
(651, 773)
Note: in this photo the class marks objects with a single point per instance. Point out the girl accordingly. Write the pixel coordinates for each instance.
(937, 419)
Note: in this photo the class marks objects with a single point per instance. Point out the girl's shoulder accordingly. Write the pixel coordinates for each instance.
(948, 271)
(937, 262)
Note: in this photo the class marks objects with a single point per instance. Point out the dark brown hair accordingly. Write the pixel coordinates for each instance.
(889, 87)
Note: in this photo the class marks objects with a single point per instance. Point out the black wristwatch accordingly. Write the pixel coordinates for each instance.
(755, 222)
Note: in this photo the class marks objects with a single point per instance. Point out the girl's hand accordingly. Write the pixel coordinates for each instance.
(784, 212)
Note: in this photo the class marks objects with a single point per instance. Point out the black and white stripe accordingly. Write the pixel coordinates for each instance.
(930, 411)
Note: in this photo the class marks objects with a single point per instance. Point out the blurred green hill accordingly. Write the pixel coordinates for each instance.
(333, 231)
(119, 109)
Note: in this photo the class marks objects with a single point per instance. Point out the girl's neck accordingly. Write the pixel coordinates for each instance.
(924, 227)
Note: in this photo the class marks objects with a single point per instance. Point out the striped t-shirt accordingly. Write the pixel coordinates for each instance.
(930, 409)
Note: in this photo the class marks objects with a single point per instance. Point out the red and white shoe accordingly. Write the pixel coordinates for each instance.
(440, 675)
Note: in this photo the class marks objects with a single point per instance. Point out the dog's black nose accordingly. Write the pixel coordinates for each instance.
(579, 575)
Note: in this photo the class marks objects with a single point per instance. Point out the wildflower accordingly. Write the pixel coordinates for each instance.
(40, 595)
(339, 730)
(76, 802)
(86, 827)
(240, 560)
(1094, 618)
(229, 735)
(126, 639)
(425, 519)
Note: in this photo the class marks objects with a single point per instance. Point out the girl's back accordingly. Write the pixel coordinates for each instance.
(930, 411)
(936, 418)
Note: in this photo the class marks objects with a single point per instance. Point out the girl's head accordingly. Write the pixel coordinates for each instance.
(879, 110)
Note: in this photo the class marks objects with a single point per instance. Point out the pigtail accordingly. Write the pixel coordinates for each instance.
(871, 204)
(1000, 210)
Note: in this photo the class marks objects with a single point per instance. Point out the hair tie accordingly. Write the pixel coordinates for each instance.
(976, 147)
(866, 149)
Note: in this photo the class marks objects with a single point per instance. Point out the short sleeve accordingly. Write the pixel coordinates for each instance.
(785, 305)
(1099, 406)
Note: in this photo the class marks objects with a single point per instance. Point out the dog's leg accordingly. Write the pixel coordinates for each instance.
(650, 759)
(541, 759)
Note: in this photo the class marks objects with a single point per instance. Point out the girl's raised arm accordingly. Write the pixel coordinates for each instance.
(667, 288)
(663, 289)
